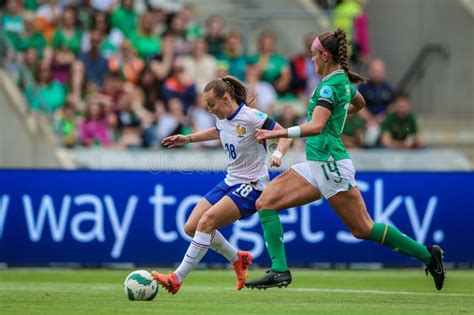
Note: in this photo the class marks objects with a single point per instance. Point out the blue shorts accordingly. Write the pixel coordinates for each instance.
(243, 195)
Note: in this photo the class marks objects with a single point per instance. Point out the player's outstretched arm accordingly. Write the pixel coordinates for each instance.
(311, 128)
(180, 140)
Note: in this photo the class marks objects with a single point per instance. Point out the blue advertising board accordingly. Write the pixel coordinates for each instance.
(98, 217)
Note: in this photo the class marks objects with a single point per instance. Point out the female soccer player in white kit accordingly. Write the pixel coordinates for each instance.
(234, 197)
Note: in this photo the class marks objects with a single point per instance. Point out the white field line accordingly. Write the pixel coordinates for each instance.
(113, 287)
(336, 290)
(440, 294)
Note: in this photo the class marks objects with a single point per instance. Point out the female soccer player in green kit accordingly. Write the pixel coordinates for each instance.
(328, 170)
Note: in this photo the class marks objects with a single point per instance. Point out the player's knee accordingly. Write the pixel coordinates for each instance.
(264, 202)
(189, 229)
(207, 222)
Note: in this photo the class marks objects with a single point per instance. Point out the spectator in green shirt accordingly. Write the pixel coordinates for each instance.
(67, 34)
(193, 27)
(29, 38)
(113, 36)
(144, 40)
(233, 56)
(30, 5)
(124, 17)
(399, 128)
(215, 36)
(49, 95)
(65, 125)
(12, 21)
(273, 67)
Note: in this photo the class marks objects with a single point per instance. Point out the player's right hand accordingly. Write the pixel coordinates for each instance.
(274, 161)
(175, 141)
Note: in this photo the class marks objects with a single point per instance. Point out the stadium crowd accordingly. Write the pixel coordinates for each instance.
(113, 77)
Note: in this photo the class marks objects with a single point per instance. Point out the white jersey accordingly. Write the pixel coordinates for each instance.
(246, 158)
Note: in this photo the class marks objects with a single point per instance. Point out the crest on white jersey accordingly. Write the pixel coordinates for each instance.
(241, 131)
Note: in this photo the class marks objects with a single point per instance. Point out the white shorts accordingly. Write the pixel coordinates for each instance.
(328, 177)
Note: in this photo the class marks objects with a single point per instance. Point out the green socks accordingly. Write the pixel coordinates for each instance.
(391, 237)
(381, 233)
(273, 233)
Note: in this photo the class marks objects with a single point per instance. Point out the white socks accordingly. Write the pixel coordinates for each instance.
(198, 248)
(223, 247)
(196, 251)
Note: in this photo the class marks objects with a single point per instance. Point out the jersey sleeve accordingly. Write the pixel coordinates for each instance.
(353, 91)
(260, 120)
(325, 97)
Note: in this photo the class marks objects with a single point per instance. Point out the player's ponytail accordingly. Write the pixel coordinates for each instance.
(236, 89)
(336, 44)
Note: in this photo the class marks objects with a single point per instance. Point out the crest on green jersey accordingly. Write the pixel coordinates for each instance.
(326, 92)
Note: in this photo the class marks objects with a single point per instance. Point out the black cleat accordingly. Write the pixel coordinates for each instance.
(270, 280)
(435, 267)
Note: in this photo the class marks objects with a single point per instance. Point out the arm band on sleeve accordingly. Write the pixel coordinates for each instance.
(325, 104)
(268, 124)
(294, 132)
(277, 154)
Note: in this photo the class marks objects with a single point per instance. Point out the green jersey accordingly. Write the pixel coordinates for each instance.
(146, 46)
(22, 43)
(335, 93)
(124, 19)
(237, 64)
(73, 43)
(399, 128)
(273, 67)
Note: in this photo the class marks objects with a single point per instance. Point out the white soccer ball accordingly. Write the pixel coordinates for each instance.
(140, 286)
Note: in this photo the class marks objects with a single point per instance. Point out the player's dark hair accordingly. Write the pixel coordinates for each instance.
(336, 44)
(236, 89)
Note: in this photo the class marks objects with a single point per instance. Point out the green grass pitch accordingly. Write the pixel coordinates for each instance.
(100, 291)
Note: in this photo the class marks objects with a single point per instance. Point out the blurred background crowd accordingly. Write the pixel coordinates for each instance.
(114, 74)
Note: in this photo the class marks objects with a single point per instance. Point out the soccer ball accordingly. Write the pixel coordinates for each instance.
(140, 286)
